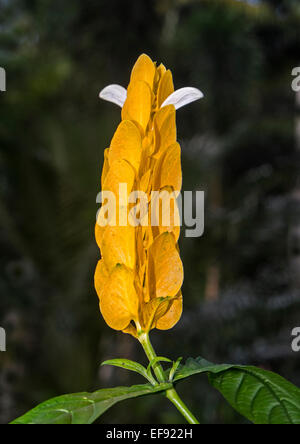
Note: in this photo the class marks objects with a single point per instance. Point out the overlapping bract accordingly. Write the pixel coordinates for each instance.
(139, 278)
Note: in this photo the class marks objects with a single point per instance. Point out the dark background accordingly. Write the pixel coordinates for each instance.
(239, 144)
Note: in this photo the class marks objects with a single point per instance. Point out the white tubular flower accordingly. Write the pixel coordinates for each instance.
(118, 95)
(115, 94)
(183, 97)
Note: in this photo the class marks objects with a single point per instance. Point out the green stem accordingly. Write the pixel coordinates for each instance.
(171, 394)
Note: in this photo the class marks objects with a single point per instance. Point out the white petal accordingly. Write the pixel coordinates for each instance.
(115, 94)
(183, 97)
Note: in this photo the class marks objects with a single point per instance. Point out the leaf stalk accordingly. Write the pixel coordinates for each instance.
(171, 394)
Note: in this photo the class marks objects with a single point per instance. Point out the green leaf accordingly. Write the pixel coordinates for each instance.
(261, 396)
(196, 366)
(85, 408)
(132, 366)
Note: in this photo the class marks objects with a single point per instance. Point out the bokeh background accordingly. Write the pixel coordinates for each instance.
(240, 144)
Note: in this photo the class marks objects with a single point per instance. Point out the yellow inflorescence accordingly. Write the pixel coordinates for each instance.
(140, 275)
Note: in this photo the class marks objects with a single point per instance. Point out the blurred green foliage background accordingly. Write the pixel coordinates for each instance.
(240, 144)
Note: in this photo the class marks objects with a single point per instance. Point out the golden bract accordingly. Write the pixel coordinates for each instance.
(139, 278)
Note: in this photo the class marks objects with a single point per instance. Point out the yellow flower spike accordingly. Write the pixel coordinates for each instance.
(143, 70)
(105, 167)
(139, 278)
(99, 231)
(131, 330)
(161, 69)
(168, 169)
(165, 270)
(165, 128)
(166, 88)
(153, 310)
(138, 105)
(120, 172)
(101, 276)
(145, 181)
(172, 315)
(119, 302)
(166, 213)
(126, 144)
(118, 246)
